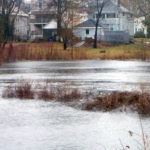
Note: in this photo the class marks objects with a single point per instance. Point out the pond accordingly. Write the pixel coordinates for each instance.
(39, 125)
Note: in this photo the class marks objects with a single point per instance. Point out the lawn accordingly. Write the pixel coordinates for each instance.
(121, 52)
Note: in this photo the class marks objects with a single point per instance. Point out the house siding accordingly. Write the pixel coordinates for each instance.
(21, 26)
(81, 33)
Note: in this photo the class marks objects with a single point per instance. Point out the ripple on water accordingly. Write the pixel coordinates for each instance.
(37, 125)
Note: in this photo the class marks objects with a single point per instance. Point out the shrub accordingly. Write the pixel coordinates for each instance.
(139, 34)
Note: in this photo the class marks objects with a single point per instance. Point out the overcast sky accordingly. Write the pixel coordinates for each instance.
(27, 0)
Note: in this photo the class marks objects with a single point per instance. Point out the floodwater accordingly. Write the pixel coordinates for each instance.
(39, 125)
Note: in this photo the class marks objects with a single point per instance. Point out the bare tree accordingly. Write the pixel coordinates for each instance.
(98, 7)
(66, 16)
(60, 6)
(70, 19)
(143, 6)
(8, 12)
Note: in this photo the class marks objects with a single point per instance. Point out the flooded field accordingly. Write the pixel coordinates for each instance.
(39, 125)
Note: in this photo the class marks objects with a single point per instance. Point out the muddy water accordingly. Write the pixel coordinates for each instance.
(37, 125)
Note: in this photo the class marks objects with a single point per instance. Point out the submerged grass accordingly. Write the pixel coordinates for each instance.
(136, 101)
(22, 91)
(47, 92)
(54, 51)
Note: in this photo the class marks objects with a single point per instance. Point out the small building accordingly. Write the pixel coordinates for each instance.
(50, 30)
(86, 30)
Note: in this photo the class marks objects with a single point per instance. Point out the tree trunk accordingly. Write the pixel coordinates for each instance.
(96, 30)
(95, 38)
(65, 45)
(59, 29)
(9, 57)
(59, 13)
(3, 45)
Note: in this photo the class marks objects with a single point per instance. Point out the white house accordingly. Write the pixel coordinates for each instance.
(87, 29)
(115, 21)
(40, 16)
(139, 26)
(21, 26)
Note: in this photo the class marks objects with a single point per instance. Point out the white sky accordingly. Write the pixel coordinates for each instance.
(27, 0)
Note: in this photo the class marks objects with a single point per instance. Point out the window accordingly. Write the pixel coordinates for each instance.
(36, 5)
(87, 32)
(103, 16)
(95, 16)
(112, 15)
(40, 4)
(111, 29)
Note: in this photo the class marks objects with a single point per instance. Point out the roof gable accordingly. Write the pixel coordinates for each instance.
(111, 7)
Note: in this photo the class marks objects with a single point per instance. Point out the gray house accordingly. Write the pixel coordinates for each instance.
(116, 24)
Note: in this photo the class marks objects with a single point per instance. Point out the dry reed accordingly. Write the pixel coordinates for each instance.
(54, 51)
(137, 101)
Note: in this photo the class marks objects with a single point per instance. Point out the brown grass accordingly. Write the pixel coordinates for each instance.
(42, 51)
(46, 92)
(54, 51)
(136, 101)
(22, 90)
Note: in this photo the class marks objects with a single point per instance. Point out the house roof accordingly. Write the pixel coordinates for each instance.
(20, 13)
(88, 24)
(110, 7)
(113, 6)
(51, 25)
(42, 12)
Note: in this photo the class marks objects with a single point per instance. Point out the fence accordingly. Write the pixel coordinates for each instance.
(115, 37)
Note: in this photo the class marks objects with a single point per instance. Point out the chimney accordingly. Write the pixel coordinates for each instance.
(118, 3)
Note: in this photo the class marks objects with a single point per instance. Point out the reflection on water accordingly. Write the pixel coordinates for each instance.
(37, 125)
(101, 75)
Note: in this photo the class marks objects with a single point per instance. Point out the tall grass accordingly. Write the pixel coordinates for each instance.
(47, 92)
(42, 51)
(122, 52)
(23, 90)
(136, 101)
(54, 51)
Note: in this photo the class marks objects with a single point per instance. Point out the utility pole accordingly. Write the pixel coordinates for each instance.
(42, 20)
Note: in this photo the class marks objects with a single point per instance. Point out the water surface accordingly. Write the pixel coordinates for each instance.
(39, 125)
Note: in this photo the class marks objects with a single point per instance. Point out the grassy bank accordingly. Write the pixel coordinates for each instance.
(122, 52)
(136, 101)
(54, 51)
(42, 51)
